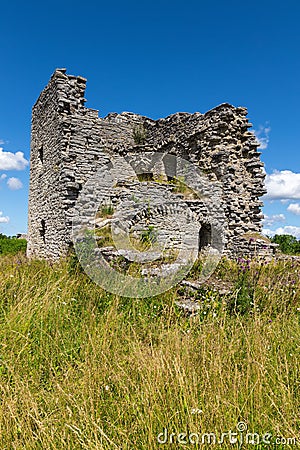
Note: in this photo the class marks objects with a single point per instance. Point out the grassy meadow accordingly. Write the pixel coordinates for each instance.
(84, 369)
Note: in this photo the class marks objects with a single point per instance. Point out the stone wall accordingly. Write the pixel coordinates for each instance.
(70, 143)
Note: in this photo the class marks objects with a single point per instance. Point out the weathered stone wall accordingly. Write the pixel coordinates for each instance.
(220, 144)
(70, 143)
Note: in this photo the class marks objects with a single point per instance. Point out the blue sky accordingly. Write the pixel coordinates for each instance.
(156, 58)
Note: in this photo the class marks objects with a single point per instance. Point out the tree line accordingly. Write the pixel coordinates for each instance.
(10, 245)
(288, 244)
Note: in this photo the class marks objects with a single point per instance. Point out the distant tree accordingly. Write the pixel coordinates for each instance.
(288, 244)
(11, 245)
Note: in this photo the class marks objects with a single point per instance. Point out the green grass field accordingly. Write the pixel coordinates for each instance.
(84, 369)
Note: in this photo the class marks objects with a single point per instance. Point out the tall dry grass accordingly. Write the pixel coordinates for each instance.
(83, 369)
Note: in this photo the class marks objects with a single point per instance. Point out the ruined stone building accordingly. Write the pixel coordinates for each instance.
(70, 142)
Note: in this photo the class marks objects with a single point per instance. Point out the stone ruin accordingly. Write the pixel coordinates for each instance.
(70, 143)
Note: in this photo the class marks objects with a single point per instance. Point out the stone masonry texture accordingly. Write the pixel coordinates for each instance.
(70, 143)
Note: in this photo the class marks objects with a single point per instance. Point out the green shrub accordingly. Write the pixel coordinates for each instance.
(11, 245)
(287, 244)
(149, 236)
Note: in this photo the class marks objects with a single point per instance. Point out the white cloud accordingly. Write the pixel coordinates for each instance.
(12, 161)
(294, 208)
(14, 183)
(283, 185)
(3, 176)
(270, 220)
(268, 232)
(288, 229)
(262, 135)
(1, 141)
(3, 219)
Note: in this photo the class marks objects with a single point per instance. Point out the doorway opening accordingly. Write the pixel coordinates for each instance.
(204, 235)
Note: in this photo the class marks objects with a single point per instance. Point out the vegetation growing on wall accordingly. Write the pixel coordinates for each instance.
(139, 135)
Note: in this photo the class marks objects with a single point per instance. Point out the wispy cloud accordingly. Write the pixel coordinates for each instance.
(14, 183)
(270, 220)
(3, 219)
(282, 185)
(12, 161)
(3, 176)
(288, 229)
(294, 208)
(262, 135)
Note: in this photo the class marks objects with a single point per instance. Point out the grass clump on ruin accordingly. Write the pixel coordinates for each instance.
(84, 369)
(106, 211)
(180, 187)
(178, 184)
(104, 236)
(139, 134)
